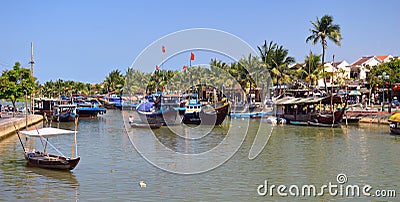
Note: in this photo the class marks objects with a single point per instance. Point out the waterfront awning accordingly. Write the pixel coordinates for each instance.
(47, 132)
(308, 100)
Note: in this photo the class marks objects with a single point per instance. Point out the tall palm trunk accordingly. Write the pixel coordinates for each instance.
(323, 64)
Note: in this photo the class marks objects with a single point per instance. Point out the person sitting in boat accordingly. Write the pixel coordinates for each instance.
(157, 103)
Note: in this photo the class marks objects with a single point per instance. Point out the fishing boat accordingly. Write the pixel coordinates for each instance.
(251, 115)
(42, 159)
(145, 125)
(91, 111)
(394, 121)
(311, 110)
(216, 111)
(90, 108)
(154, 113)
(192, 114)
(64, 113)
(112, 101)
(44, 105)
(210, 114)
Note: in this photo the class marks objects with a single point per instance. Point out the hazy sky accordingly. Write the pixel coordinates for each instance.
(85, 40)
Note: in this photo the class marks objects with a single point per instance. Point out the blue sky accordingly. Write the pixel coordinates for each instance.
(85, 40)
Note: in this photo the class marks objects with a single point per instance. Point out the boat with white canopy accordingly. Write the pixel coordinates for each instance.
(44, 159)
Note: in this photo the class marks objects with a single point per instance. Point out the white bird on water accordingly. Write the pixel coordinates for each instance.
(142, 184)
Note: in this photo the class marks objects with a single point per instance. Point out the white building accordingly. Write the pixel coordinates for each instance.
(361, 67)
(341, 72)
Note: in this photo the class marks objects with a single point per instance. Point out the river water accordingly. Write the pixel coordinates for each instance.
(111, 168)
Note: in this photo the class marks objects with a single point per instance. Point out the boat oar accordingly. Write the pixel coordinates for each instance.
(17, 131)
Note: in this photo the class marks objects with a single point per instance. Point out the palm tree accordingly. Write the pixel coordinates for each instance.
(322, 30)
(114, 82)
(312, 68)
(266, 52)
(280, 66)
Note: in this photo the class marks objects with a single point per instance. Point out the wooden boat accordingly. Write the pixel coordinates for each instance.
(394, 125)
(44, 105)
(111, 101)
(191, 114)
(219, 110)
(145, 125)
(209, 114)
(153, 113)
(251, 115)
(45, 160)
(90, 111)
(302, 111)
(64, 113)
(212, 114)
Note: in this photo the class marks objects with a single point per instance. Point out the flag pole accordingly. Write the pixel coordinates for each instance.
(162, 66)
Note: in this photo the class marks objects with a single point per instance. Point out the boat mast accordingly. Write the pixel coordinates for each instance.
(332, 107)
(32, 62)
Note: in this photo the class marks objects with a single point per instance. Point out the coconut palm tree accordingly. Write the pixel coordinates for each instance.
(280, 66)
(266, 52)
(114, 82)
(312, 68)
(321, 30)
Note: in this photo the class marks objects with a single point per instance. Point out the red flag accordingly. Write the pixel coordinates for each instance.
(191, 56)
(163, 49)
(184, 67)
(156, 67)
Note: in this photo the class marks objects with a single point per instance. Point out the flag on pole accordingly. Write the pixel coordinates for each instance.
(163, 49)
(156, 67)
(191, 56)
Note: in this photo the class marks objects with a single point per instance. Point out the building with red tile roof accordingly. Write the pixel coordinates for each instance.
(361, 67)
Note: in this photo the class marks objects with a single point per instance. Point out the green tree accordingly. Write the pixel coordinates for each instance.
(114, 82)
(280, 66)
(312, 68)
(16, 83)
(266, 52)
(321, 30)
(392, 68)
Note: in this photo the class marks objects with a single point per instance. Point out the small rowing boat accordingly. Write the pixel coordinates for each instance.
(42, 159)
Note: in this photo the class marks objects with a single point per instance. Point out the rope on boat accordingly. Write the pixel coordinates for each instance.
(52, 146)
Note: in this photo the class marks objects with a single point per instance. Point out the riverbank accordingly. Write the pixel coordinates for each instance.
(371, 115)
(7, 124)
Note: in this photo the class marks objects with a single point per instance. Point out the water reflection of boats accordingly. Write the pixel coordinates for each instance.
(64, 176)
